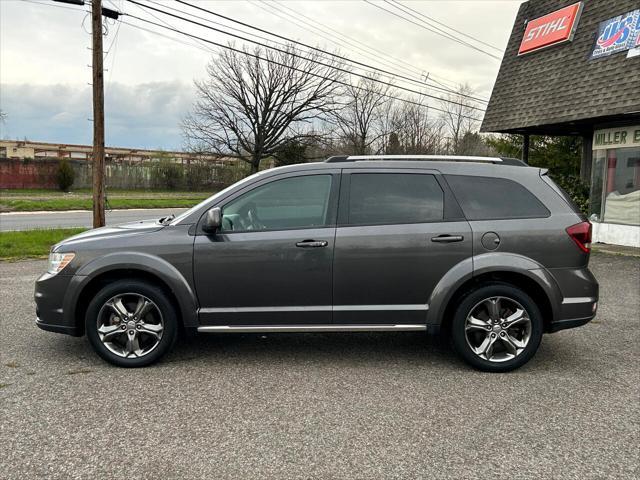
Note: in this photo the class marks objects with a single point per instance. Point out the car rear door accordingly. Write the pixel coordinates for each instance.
(399, 231)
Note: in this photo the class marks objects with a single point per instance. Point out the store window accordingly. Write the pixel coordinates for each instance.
(615, 186)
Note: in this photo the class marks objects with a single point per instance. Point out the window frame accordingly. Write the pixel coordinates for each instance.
(488, 219)
(332, 204)
(451, 210)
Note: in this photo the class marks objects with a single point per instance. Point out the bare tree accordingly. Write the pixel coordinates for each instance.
(418, 133)
(459, 115)
(360, 121)
(254, 103)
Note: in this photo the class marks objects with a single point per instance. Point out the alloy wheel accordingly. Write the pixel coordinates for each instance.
(498, 329)
(130, 325)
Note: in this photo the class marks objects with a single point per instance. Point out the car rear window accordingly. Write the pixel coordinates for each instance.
(394, 198)
(489, 198)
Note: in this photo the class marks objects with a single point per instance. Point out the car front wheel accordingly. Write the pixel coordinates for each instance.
(497, 327)
(131, 323)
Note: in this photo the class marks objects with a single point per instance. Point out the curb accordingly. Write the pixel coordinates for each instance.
(616, 250)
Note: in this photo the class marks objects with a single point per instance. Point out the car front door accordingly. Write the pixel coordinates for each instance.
(399, 232)
(270, 262)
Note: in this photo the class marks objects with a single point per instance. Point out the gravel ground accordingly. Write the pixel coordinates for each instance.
(322, 405)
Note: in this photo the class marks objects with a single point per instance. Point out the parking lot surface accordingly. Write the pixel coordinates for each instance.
(385, 405)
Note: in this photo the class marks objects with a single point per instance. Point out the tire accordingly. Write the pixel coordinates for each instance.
(131, 323)
(488, 332)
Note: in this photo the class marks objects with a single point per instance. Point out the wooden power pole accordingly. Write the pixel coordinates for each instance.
(98, 115)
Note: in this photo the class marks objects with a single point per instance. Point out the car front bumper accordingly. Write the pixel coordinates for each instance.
(49, 295)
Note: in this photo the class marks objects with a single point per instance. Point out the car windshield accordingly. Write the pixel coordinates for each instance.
(221, 193)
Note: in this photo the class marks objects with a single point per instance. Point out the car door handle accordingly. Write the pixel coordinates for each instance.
(447, 238)
(312, 244)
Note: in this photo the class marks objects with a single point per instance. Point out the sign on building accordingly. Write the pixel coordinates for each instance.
(618, 34)
(551, 29)
(623, 137)
(635, 51)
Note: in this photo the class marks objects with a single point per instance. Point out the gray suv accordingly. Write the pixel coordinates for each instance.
(485, 250)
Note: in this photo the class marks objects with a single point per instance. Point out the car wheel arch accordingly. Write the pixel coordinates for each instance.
(525, 281)
(92, 276)
(514, 269)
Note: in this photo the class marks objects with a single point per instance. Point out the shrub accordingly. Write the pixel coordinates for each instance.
(65, 175)
(167, 174)
(290, 153)
(199, 176)
(230, 173)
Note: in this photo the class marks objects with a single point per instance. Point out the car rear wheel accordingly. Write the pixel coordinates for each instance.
(131, 323)
(497, 327)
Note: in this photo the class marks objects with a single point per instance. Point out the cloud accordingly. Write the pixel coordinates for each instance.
(44, 58)
(146, 115)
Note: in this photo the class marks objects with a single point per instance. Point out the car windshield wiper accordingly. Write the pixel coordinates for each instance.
(167, 219)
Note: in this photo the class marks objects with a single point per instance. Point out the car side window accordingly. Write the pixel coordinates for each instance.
(490, 198)
(394, 198)
(295, 202)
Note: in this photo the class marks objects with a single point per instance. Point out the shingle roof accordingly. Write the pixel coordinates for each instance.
(561, 84)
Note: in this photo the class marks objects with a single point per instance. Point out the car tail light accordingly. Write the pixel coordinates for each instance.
(581, 234)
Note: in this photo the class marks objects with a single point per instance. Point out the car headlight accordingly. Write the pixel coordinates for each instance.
(57, 261)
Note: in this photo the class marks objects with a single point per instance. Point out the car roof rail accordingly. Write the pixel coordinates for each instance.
(433, 158)
(337, 158)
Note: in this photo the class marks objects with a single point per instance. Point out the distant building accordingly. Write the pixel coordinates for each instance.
(573, 68)
(18, 149)
(25, 164)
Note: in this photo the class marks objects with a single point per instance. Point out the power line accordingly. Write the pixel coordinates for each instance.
(431, 29)
(237, 50)
(348, 40)
(293, 20)
(300, 56)
(349, 43)
(386, 72)
(416, 81)
(407, 7)
(53, 5)
(216, 23)
(432, 76)
(393, 60)
(114, 45)
(242, 31)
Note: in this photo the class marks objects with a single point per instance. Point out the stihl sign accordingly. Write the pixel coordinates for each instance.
(551, 29)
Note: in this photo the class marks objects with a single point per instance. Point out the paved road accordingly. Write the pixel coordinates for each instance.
(324, 406)
(30, 220)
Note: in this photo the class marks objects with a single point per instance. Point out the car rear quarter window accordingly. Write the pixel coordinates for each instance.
(489, 198)
(560, 191)
(394, 198)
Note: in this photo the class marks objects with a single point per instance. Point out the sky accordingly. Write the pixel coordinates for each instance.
(45, 59)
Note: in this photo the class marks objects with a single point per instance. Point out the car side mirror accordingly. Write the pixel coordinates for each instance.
(212, 220)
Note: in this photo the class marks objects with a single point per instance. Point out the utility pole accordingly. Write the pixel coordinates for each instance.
(98, 115)
(97, 11)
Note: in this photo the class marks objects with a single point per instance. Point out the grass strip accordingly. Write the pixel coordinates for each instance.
(61, 204)
(32, 243)
(111, 192)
